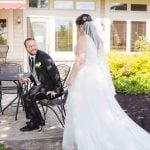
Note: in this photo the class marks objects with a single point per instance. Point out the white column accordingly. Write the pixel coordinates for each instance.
(25, 60)
(52, 36)
(128, 37)
(10, 29)
(107, 30)
(148, 30)
(74, 34)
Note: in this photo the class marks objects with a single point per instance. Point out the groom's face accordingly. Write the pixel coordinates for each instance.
(31, 47)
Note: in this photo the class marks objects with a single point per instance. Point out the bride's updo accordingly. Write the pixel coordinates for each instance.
(89, 28)
(83, 18)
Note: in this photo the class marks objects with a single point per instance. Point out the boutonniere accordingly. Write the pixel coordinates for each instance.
(38, 65)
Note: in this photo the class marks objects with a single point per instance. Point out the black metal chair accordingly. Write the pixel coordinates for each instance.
(9, 68)
(9, 87)
(56, 104)
(3, 52)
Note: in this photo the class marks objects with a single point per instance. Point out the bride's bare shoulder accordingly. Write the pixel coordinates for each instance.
(83, 38)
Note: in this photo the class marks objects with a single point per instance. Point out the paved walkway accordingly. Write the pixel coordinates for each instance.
(49, 138)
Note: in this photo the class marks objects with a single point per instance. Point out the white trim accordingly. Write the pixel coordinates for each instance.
(107, 23)
(148, 30)
(52, 37)
(74, 33)
(12, 2)
(10, 30)
(128, 37)
(63, 56)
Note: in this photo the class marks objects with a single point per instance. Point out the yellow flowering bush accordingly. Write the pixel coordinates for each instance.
(130, 72)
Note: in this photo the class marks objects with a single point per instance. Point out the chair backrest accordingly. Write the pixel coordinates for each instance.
(10, 67)
(3, 52)
(64, 72)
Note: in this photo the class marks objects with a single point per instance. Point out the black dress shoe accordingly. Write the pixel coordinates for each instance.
(42, 123)
(29, 128)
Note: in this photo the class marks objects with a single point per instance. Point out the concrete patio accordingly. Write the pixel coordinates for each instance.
(49, 138)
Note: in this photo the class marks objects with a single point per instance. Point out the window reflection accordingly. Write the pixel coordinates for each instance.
(85, 5)
(138, 7)
(78, 4)
(3, 31)
(118, 35)
(63, 35)
(38, 3)
(37, 30)
(58, 4)
(137, 29)
(118, 6)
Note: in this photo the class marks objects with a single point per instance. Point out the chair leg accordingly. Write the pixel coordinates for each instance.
(56, 116)
(17, 108)
(44, 111)
(62, 114)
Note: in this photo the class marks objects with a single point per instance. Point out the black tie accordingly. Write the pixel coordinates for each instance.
(32, 63)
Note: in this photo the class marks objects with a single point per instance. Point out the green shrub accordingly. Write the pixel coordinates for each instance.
(130, 73)
(141, 44)
(2, 40)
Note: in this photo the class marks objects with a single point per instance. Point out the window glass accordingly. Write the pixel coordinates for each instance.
(118, 35)
(63, 35)
(118, 6)
(137, 29)
(85, 5)
(37, 30)
(60, 4)
(138, 7)
(3, 31)
(38, 3)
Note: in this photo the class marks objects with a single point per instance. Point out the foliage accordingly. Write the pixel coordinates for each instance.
(130, 73)
(63, 38)
(141, 44)
(2, 147)
(2, 40)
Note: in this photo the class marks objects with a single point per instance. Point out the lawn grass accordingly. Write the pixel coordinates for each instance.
(3, 147)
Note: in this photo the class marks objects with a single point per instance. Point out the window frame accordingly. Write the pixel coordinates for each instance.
(114, 10)
(36, 8)
(138, 10)
(74, 5)
(65, 55)
(123, 49)
(7, 37)
(63, 8)
(94, 1)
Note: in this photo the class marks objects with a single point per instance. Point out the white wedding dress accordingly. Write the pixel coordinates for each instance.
(95, 120)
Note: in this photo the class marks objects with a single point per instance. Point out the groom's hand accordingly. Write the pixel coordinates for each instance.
(51, 93)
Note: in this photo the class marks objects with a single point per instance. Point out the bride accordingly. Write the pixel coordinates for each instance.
(94, 120)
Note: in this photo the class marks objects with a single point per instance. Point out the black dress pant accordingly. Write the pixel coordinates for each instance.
(31, 109)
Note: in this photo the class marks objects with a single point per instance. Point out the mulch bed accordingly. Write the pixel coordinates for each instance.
(137, 107)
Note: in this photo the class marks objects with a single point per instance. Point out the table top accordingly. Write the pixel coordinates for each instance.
(11, 76)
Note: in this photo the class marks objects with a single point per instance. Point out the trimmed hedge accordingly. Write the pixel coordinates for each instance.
(130, 72)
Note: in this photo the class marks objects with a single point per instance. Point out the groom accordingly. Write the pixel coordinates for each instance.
(45, 76)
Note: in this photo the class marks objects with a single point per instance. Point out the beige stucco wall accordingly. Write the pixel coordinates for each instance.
(15, 34)
(18, 32)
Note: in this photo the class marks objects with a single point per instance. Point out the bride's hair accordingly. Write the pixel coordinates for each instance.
(89, 28)
(83, 18)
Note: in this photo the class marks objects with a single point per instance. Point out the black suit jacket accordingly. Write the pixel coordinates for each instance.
(47, 72)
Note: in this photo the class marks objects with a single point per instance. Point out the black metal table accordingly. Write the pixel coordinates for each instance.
(14, 77)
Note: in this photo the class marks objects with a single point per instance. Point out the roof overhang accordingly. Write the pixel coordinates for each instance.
(12, 4)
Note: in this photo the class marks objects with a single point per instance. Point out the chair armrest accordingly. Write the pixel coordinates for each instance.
(47, 100)
(40, 96)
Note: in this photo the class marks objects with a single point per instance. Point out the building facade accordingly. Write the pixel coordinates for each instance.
(52, 24)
